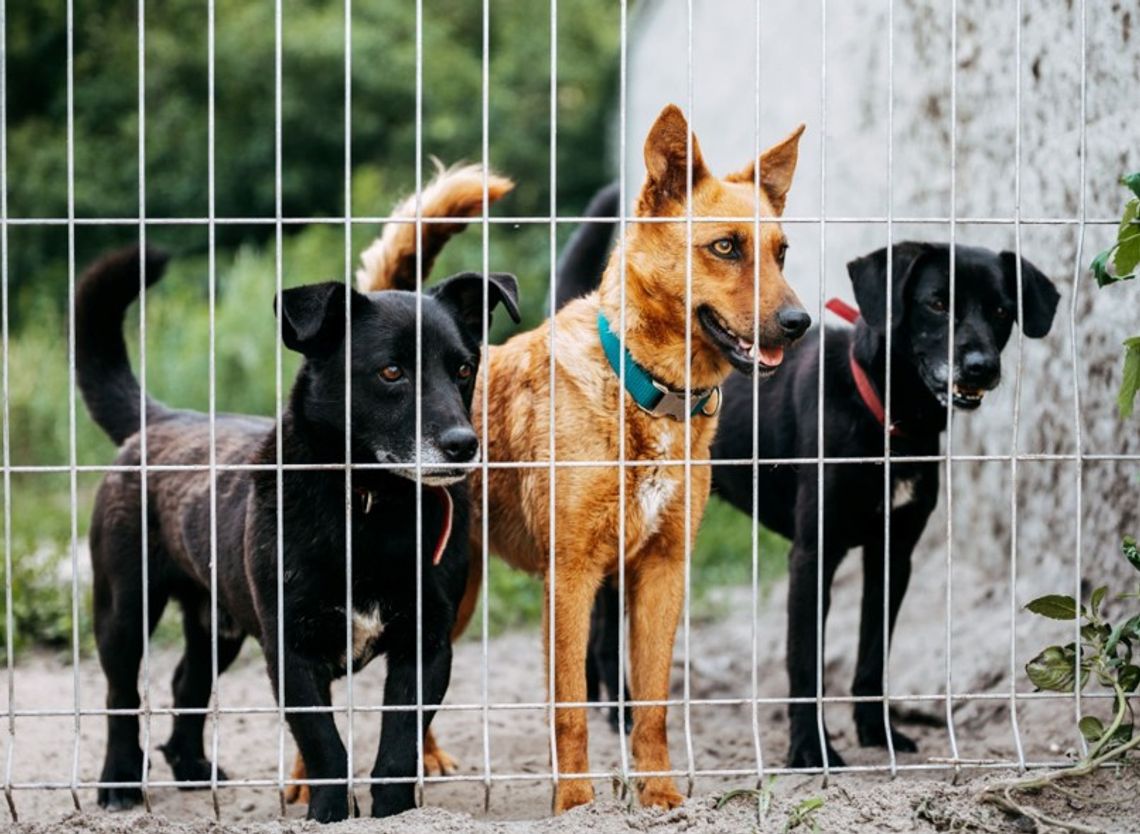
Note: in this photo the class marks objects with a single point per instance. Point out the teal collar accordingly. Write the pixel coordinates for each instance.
(651, 396)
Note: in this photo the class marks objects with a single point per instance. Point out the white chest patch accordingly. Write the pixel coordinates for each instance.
(656, 491)
(903, 492)
(367, 627)
(654, 495)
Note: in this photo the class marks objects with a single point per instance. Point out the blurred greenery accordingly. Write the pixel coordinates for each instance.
(177, 186)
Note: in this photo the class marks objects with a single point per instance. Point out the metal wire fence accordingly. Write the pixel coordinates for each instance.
(20, 709)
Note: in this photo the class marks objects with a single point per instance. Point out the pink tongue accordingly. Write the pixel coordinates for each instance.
(770, 356)
(444, 533)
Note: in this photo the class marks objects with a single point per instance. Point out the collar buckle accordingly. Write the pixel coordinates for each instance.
(672, 403)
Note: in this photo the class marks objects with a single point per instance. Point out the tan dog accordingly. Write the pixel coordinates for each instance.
(588, 393)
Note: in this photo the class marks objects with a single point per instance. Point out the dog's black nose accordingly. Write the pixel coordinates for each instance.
(793, 321)
(979, 366)
(459, 444)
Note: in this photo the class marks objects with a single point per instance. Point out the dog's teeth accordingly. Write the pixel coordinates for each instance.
(752, 352)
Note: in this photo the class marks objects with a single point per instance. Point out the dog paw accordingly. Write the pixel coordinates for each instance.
(297, 793)
(439, 763)
(873, 734)
(659, 792)
(190, 768)
(329, 803)
(806, 754)
(125, 767)
(571, 793)
(119, 799)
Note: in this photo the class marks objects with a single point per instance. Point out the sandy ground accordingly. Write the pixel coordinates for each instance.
(923, 799)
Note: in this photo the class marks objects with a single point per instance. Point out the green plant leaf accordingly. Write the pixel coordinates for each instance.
(1131, 551)
(1052, 670)
(1095, 633)
(1099, 267)
(1127, 243)
(1132, 181)
(1128, 677)
(1130, 377)
(1097, 599)
(1123, 735)
(1055, 607)
(1091, 728)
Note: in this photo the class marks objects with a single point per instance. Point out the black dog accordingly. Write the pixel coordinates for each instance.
(313, 430)
(985, 309)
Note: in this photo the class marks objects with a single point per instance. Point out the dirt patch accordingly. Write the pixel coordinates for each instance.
(720, 736)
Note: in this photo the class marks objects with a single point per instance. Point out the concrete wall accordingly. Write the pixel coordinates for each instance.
(854, 182)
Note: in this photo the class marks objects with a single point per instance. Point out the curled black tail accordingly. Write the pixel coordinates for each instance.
(584, 258)
(102, 297)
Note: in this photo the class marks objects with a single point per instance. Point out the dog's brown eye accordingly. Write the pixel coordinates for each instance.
(1002, 313)
(782, 254)
(938, 305)
(391, 373)
(725, 247)
(465, 371)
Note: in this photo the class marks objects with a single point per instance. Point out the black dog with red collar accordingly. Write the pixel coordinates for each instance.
(854, 386)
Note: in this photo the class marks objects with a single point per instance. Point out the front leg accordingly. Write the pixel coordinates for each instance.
(805, 749)
(656, 597)
(397, 754)
(574, 588)
(907, 524)
(315, 732)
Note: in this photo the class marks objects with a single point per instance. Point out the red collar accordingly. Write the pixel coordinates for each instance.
(446, 502)
(863, 382)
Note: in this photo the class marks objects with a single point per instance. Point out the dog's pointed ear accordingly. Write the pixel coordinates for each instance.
(666, 160)
(312, 317)
(464, 294)
(777, 167)
(1038, 295)
(869, 280)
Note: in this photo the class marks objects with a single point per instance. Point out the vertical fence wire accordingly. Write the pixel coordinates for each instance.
(1078, 445)
(278, 398)
(72, 451)
(951, 734)
(1013, 677)
(9, 616)
(484, 445)
(350, 694)
(688, 670)
(623, 750)
(888, 493)
(419, 654)
(754, 527)
(212, 279)
(819, 542)
(144, 497)
(551, 576)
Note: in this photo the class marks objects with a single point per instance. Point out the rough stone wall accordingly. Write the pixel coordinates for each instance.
(856, 184)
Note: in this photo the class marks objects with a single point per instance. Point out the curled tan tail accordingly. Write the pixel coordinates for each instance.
(389, 263)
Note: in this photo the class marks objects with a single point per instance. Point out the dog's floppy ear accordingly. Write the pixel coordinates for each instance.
(1038, 295)
(312, 317)
(777, 166)
(666, 157)
(869, 280)
(464, 294)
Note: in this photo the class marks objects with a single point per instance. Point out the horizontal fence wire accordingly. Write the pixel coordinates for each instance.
(486, 774)
(541, 220)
